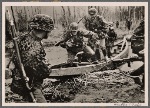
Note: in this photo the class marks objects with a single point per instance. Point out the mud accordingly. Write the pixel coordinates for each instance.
(105, 88)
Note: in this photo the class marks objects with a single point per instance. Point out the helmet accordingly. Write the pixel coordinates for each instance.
(42, 22)
(73, 26)
(142, 22)
(92, 11)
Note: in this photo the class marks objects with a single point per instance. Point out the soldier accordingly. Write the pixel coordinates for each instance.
(110, 40)
(137, 44)
(136, 74)
(137, 40)
(98, 25)
(74, 42)
(139, 31)
(33, 58)
(117, 24)
(128, 24)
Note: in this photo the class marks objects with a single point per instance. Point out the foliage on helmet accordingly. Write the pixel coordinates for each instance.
(73, 26)
(92, 11)
(42, 22)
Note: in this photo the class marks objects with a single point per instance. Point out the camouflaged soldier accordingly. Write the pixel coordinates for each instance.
(74, 42)
(139, 31)
(110, 40)
(33, 58)
(97, 24)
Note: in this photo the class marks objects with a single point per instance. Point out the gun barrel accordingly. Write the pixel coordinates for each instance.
(14, 37)
(128, 59)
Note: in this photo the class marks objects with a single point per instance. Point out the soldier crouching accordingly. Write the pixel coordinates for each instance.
(75, 43)
(33, 59)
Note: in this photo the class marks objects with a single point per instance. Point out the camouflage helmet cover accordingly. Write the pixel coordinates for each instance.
(73, 26)
(42, 22)
(92, 11)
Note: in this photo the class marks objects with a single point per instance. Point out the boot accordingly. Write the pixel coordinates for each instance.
(94, 59)
(137, 81)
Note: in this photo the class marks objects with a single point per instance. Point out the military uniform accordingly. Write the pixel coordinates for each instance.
(97, 24)
(139, 31)
(110, 41)
(75, 44)
(137, 41)
(128, 24)
(137, 45)
(117, 24)
(33, 59)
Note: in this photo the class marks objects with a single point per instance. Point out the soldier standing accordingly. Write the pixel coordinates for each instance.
(128, 24)
(97, 24)
(117, 24)
(74, 42)
(110, 40)
(33, 58)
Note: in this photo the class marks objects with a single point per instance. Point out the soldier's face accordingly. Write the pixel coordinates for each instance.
(92, 15)
(74, 33)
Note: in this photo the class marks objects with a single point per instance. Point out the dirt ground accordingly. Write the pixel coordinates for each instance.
(106, 88)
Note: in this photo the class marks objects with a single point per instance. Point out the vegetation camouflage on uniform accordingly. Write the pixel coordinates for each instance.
(77, 41)
(98, 22)
(33, 58)
(140, 29)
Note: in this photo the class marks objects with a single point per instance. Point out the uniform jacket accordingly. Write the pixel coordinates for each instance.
(139, 31)
(78, 39)
(92, 24)
(33, 57)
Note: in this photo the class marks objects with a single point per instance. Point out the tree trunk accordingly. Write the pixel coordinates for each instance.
(74, 13)
(64, 15)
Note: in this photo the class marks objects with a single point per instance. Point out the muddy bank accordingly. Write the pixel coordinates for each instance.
(106, 88)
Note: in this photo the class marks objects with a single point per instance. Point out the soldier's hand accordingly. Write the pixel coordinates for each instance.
(97, 42)
(95, 36)
(8, 73)
(106, 36)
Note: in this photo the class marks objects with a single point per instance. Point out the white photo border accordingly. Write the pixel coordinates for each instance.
(4, 4)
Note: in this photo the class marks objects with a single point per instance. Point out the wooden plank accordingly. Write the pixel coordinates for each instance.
(83, 69)
(89, 68)
(78, 70)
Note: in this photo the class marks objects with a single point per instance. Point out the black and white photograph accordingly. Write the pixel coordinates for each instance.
(74, 54)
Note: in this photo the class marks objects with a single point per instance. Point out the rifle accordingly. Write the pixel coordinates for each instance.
(128, 60)
(58, 43)
(23, 73)
(80, 20)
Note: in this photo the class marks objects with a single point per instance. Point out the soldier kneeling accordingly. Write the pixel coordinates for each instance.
(74, 42)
